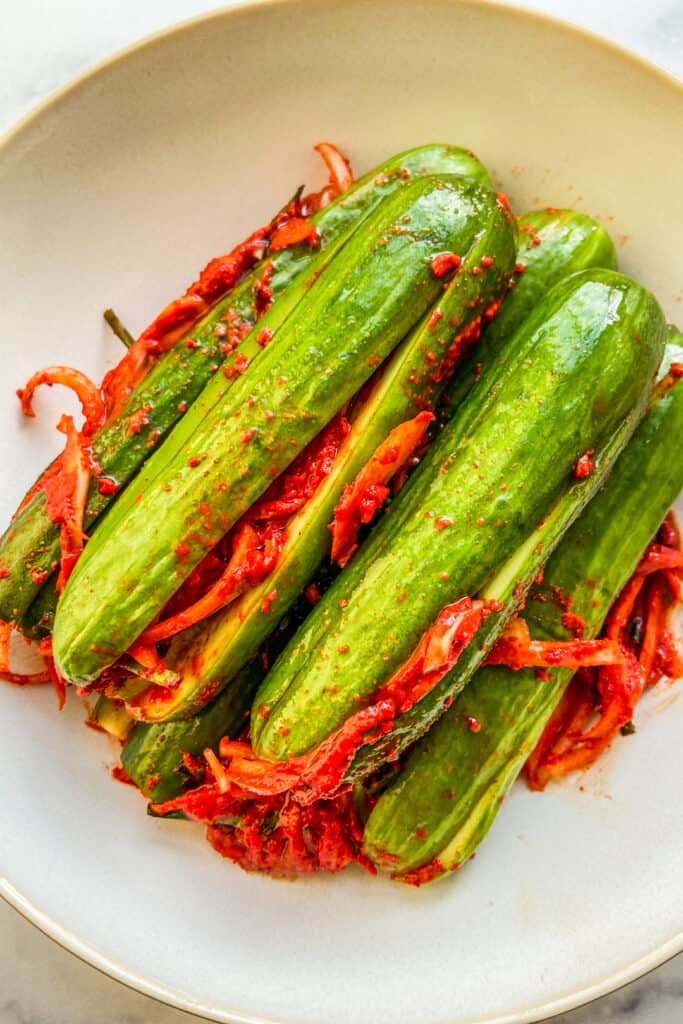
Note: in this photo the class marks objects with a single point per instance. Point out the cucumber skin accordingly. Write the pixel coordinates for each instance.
(211, 653)
(153, 755)
(368, 623)
(558, 243)
(417, 819)
(347, 321)
(30, 546)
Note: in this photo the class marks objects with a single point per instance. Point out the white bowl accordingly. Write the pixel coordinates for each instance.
(117, 191)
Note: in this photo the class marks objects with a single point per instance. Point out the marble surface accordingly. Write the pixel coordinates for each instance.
(44, 45)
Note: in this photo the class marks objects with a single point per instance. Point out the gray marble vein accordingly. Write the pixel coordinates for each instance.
(44, 45)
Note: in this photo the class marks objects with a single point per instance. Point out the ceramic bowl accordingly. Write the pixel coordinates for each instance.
(115, 192)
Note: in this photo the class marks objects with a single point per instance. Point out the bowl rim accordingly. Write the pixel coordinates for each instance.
(61, 935)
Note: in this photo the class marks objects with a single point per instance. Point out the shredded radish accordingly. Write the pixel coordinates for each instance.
(19, 679)
(253, 558)
(341, 178)
(341, 175)
(658, 557)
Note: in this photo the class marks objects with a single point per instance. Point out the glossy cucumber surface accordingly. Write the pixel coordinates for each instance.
(551, 245)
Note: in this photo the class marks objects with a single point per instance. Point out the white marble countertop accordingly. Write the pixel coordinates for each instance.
(44, 45)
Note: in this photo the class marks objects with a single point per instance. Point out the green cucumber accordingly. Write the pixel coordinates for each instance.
(211, 653)
(577, 377)
(29, 548)
(352, 317)
(440, 806)
(153, 756)
(551, 245)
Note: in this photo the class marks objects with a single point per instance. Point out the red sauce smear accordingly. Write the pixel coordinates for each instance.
(585, 465)
(298, 229)
(674, 374)
(427, 873)
(599, 702)
(444, 262)
(361, 499)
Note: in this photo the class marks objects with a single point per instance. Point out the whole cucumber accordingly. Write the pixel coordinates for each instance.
(414, 378)
(29, 548)
(578, 373)
(446, 797)
(352, 317)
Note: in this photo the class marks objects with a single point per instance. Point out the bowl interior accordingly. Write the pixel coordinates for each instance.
(116, 194)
